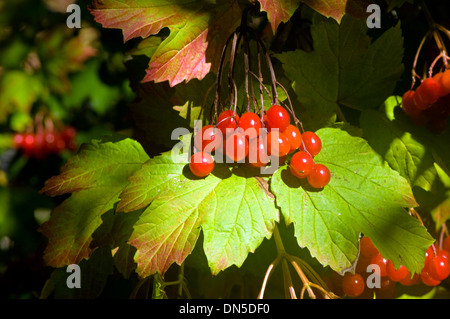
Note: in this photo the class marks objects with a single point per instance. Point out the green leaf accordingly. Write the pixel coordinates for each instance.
(333, 8)
(390, 134)
(336, 9)
(87, 85)
(345, 69)
(95, 177)
(18, 92)
(234, 211)
(147, 46)
(413, 152)
(364, 195)
(157, 175)
(425, 292)
(94, 276)
(123, 259)
(279, 11)
(198, 29)
(99, 164)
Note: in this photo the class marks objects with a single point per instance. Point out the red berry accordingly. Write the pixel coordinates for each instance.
(439, 267)
(381, 262)
(446, 244)
(264, 120)
(437, 78)
(277, 144)
(201, 164)
(367, 247)
(29, 141)
(408, 281)
(419, 102)
(429, 91)
(257, 152)
(250, 123)
(396, 274)
(294, 137)
(444, 82)
(54, 142)
(227, 120)
(427, 279)
(408, 103)
(18, 140)
(301, 164)
(319, 177)
(386, 290)
(72, 146)
(428, 255)
(60, 144)
(361, 265)
(68, 134)
(208, 139)
(442, 252)
(236, 146)
(278, 118)
(312, 142)
(353, 285)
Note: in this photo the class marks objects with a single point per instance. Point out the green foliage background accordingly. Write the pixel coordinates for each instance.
(90, 79)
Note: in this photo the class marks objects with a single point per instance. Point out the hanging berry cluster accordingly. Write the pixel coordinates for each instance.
(429, 103)
(45, 139)
(257, 135)
(436, 268)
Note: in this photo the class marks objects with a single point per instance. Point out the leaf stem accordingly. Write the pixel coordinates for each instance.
(302, 269)
(217, 101)
(416, 58)
(291, 108)
(288, 285)
(444, 230)
(304, 279)
(278, 241)
(434, 32)
(269, 271)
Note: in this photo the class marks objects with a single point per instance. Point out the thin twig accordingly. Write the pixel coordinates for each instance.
(413, 71)
(217, 104)
(269, 271)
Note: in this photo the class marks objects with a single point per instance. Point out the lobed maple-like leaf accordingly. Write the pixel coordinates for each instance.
(88, 169)
(403, 146)
(364, 196)
(336, 9)
(234, 211)
(279, 11)
(198, 30)
(414, 152)
(345, 69)
(95, 177)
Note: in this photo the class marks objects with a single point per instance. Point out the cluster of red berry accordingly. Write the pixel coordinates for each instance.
(40, 144)
(249, 138)
(436, 268)
(429, 104)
